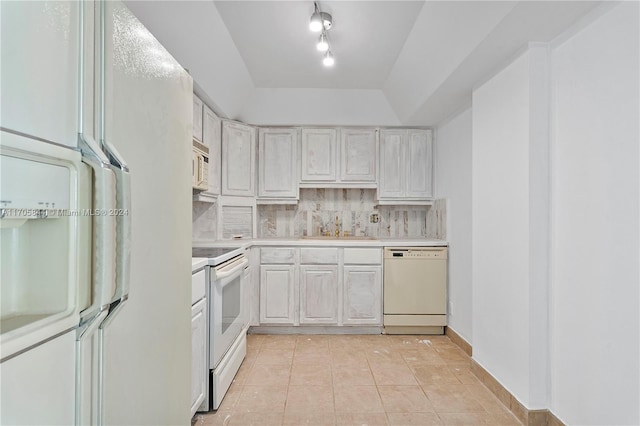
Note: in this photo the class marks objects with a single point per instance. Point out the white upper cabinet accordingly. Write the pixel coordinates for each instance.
(238, 159)
(419, 161)
(198, 107)
(406, 166)
(319, 155)
(278, 161)
(344, 158)
(392, 168)
(358, 155)
(212, 137)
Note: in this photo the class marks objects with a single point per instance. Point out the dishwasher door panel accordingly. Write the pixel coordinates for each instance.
(415, 286)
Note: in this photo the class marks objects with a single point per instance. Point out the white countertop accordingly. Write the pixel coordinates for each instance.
(337, 242)
(198, 263)
(347, 242)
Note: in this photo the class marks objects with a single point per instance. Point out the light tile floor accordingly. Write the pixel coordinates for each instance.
(356, 380)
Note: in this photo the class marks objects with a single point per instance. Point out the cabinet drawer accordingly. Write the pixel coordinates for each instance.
(363, 256)
(319, 256)
(198, 283)
(278, 255)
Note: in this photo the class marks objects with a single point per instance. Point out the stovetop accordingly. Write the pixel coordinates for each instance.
(216, 255)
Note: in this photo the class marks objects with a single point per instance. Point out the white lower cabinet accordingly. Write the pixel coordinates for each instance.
(321, 286)
(198, 354)
(318, 294)
(362, 295)
(277, 283)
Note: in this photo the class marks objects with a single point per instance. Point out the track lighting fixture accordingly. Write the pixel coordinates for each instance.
(328, 60)
(322, 22)
(323, 44)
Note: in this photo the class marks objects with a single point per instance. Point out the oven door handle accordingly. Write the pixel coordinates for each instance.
(237, 268)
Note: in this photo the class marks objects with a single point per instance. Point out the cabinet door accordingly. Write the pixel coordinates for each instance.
(212, 137)
(278, 160)
(276, 294)
(392, 167)
(319, 155)
(198, 106)
(358, 155)
(318, 294)
(199, 376)
(246, 295)
(39, 77)
(362, 297)
(419, 160)
(238, 159)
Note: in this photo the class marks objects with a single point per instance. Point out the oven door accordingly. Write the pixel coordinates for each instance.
(226, 311)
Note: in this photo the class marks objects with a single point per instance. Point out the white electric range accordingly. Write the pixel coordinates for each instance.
(227, 323)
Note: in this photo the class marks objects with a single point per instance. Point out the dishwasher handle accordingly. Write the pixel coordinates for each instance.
(422, 253)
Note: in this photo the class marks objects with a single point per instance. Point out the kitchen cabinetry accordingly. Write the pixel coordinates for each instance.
(211, 136)
(318, 294)
(319, 155)
(319, 285)
(253, 286)
(358, 155)
(277, 168)
(277, 286)
(406, 166)
(238, 159)
(348, 161)
(199, 371)
(207, 130)
(198, 107)
(332, 286)
(362, 288)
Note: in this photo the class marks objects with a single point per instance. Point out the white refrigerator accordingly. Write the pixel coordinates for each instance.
(95, 218)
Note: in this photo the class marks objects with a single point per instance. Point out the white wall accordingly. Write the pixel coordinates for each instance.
(318, 107)
(453, 178)
(423, 65)
(555, 224)
(594, 300)
(508, 227)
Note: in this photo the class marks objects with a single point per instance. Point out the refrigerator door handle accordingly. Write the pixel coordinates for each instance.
(123, 221)
(104, 196)
(104, 231)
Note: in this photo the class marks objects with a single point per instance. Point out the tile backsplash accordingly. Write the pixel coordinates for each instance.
(317, 210)
(204, 221)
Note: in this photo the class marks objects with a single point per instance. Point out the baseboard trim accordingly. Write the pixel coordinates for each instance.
(458, 340)
(527, 417)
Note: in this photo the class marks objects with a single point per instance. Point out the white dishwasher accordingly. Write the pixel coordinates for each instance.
(415, 290)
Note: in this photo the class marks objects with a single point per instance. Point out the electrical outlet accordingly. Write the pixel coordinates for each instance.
(374, 218)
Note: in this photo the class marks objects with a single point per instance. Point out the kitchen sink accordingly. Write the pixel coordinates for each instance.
(332, 237)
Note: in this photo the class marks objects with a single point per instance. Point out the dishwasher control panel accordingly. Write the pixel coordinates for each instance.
(416, 252)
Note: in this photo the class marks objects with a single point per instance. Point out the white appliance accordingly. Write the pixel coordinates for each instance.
(227, 319)
(200, 166)
(415, 290)
(85, 86)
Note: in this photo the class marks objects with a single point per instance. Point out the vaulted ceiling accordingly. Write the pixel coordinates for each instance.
(397, 62)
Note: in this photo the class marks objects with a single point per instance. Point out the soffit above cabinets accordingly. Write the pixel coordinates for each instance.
(397, 62)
